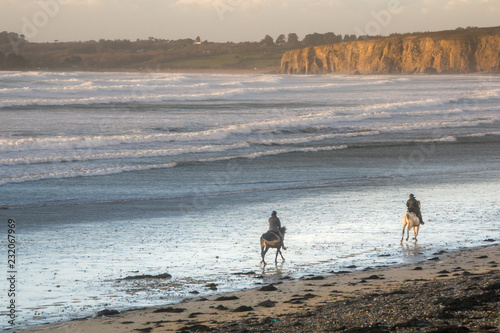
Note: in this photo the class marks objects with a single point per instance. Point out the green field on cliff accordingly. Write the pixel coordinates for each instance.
(229, 61)
(150, 54)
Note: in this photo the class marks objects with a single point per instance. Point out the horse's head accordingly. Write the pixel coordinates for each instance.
(283, 230)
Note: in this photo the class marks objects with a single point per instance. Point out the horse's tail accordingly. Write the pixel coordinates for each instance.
(262, 242)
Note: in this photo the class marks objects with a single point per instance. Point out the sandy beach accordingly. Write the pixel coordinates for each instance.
(457, 291)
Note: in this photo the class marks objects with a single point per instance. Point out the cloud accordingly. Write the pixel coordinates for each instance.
(181, 3)
(456, 4)
(244, 4)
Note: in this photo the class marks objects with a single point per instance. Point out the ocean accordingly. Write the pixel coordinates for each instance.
(113, 175)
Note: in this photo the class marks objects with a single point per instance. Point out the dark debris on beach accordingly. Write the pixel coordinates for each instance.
(468, 303)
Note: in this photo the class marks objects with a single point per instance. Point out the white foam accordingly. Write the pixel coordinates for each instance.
(313, 138)
(483, 134)
(151, 88)
(83, 172)
(217, 134)
(254, 155)
(39, 157)
(443, 139)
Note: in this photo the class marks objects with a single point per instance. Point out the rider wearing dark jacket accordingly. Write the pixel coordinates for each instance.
(275, 226)
(414, 207)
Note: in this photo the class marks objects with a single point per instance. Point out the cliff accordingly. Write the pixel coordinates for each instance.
(458, 51)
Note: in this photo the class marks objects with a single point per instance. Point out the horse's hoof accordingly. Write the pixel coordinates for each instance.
(284, 248)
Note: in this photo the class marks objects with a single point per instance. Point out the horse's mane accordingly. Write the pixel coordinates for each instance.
(283, 230)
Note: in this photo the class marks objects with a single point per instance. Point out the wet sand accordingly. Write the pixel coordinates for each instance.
(458, 291)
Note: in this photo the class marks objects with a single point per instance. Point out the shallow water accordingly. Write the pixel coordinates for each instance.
(119, 175)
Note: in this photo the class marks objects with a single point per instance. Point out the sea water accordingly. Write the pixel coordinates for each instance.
(112, 175)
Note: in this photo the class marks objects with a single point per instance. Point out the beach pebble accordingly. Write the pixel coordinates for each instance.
(169, 310)
(267, 304)
(211, 286)
(107, 312)
(314, 278)
(227, 298)
(243, 308)
(268, 288)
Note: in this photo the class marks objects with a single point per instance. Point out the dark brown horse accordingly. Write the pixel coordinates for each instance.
(271, 240)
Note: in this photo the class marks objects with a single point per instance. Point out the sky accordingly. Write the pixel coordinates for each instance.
(236, 20)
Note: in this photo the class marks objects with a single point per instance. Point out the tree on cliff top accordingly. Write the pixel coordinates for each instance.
(281, 40)
(313, 39)
(268, 41)
(293, 39)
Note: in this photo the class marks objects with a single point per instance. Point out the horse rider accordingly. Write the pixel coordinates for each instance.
(414, 207)
(274, 227)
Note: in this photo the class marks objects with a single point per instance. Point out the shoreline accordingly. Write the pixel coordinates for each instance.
(223, 71)
(279, 305)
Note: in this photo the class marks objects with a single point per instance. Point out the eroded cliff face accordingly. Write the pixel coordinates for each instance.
(412, 54)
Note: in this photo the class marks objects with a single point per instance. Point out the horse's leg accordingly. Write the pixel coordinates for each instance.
(263, 254)
(408, 232)
(404, 221)
(262, 249)
(403, 235)
(278, 251)
(415, 231)
(281, 254)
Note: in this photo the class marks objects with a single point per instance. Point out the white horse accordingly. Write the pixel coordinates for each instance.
(410, 220)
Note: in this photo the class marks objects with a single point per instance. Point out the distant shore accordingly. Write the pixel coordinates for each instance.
(211, 71)
(457, 290)
(271, 70)
(263, 71)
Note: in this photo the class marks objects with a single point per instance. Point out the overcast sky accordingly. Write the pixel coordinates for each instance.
(235, 20)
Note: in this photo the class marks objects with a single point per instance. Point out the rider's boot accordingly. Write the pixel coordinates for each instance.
(282, 243)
